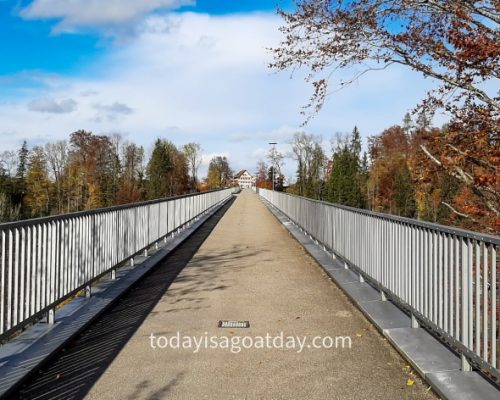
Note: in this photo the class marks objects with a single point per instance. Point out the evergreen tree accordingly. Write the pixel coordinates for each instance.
(19, 189)
(23, 161)
(167, 171)
(407, 124)
(346, 184)
(278, 179)
(159, 167)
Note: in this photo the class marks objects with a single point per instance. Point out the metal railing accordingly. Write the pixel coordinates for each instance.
(47, 260)
(445, 278)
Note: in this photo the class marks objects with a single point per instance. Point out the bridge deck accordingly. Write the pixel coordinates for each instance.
(250, 268)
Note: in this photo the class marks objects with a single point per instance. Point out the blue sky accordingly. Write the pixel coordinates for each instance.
(181, 69)
(29, 44)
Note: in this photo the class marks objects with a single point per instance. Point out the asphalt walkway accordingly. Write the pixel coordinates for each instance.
(250, 268)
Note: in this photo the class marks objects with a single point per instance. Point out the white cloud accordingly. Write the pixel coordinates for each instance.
(84, 13)
(52, 106)
(191, 77)
(112, 111)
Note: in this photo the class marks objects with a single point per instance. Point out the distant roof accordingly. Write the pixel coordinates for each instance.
(241, 173)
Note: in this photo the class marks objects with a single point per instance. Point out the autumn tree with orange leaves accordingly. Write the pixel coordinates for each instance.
(456, 43)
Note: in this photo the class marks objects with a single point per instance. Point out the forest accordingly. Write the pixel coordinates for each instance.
(393, 176)
(91, 171)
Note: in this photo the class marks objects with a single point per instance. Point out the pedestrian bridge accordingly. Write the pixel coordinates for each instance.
(129, 302)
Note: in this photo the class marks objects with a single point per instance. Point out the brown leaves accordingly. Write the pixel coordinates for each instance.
(451, 41)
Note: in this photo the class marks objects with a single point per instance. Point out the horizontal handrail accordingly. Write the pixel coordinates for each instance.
(44, 261)
(424, 224)
(24, 222)
(446, 278)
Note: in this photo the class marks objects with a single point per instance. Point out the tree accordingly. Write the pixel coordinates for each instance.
(8, 211)
(192, 152)
(219, 173)
(179, 179)
(159, 168)
(310, 158)
(390, 184)
(8, 162)
(8, 184)
(57, 158)
(404, 192)
(20, 182)
(345, 182)
(407, 124)
(22, 164)
(455, 42)
(261, 176)
(93, 168)
(37, 184)
(131, 186)
(279, 179)
(167, 171)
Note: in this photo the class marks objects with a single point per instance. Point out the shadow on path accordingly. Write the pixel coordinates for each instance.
(75, 369)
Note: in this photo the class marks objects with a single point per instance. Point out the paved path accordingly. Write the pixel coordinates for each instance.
(250, 268)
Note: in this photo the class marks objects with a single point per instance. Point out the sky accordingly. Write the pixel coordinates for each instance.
(183, 70)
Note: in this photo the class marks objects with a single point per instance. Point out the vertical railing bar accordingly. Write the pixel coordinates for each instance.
(446, 266)
(44, 267)
(3, 286)
(470, 292)
(15, 308)
(452, 285)
(458, 277)
(477, 330)
(493, 307)
(9, 281)
(439, 320)
(22, 278)
(465, 301)
(29, 271)
(38, 268)
(485, 303)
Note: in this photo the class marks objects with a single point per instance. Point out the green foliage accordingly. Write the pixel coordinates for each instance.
(347, 181)
(278, 179)
(23, 161)
(167, 171)
(8, 211)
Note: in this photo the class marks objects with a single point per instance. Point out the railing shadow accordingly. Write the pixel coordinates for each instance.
(75, 369)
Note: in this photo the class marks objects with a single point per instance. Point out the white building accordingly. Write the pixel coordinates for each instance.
(244, 179)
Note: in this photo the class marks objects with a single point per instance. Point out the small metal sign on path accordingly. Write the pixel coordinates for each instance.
(234, 324)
